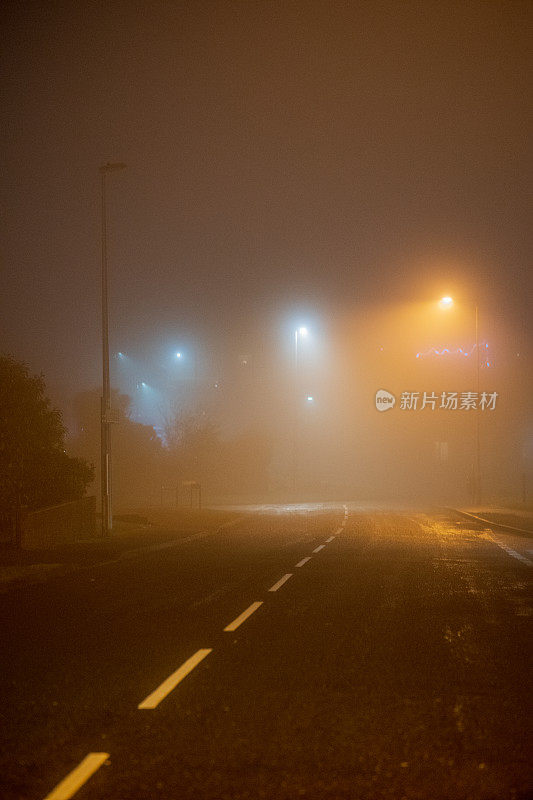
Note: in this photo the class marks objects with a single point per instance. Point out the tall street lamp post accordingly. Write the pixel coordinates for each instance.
(299, 333)
(105, 440)
(447, 302)
(477, 478)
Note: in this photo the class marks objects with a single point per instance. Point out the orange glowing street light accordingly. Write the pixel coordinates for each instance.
(446, 302)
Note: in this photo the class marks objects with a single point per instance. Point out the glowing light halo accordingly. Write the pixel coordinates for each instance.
(446, 302)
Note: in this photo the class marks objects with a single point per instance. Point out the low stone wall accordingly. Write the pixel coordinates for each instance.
(59, 525)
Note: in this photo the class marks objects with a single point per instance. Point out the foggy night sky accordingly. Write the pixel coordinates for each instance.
(284, 159)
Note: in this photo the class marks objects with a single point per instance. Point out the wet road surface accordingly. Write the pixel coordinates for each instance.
(316, 652)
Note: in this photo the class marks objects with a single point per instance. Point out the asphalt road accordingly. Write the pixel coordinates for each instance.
(326, 654)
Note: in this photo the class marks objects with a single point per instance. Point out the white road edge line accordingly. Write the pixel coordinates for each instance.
(319, 548)
(153, 699)
(330, 539)
(303, 561)
(512, 553)
(339, 530)
(79, 775)
(244, 616)
(280, 583)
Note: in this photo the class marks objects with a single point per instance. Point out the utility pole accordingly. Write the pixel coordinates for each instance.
(299, 333)
(477, 483)
(105, 441)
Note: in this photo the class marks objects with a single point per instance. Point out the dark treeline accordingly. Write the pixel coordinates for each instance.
(35, 469)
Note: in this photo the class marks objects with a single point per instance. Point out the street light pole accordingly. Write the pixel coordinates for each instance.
(299, 332)
(105, 440)
(447, 302)
(295, 417)
(477, 485)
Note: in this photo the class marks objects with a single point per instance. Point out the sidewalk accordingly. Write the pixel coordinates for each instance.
(143, 530)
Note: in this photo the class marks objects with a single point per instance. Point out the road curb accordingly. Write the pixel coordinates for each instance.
(33, 574)
(520, 531)
(173, 542)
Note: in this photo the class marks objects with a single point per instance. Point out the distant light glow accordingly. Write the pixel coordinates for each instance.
(310, 399)
(446, 302)
(178, 355)
(303, 331)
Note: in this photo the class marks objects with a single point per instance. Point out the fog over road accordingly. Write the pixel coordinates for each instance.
(319, 652)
